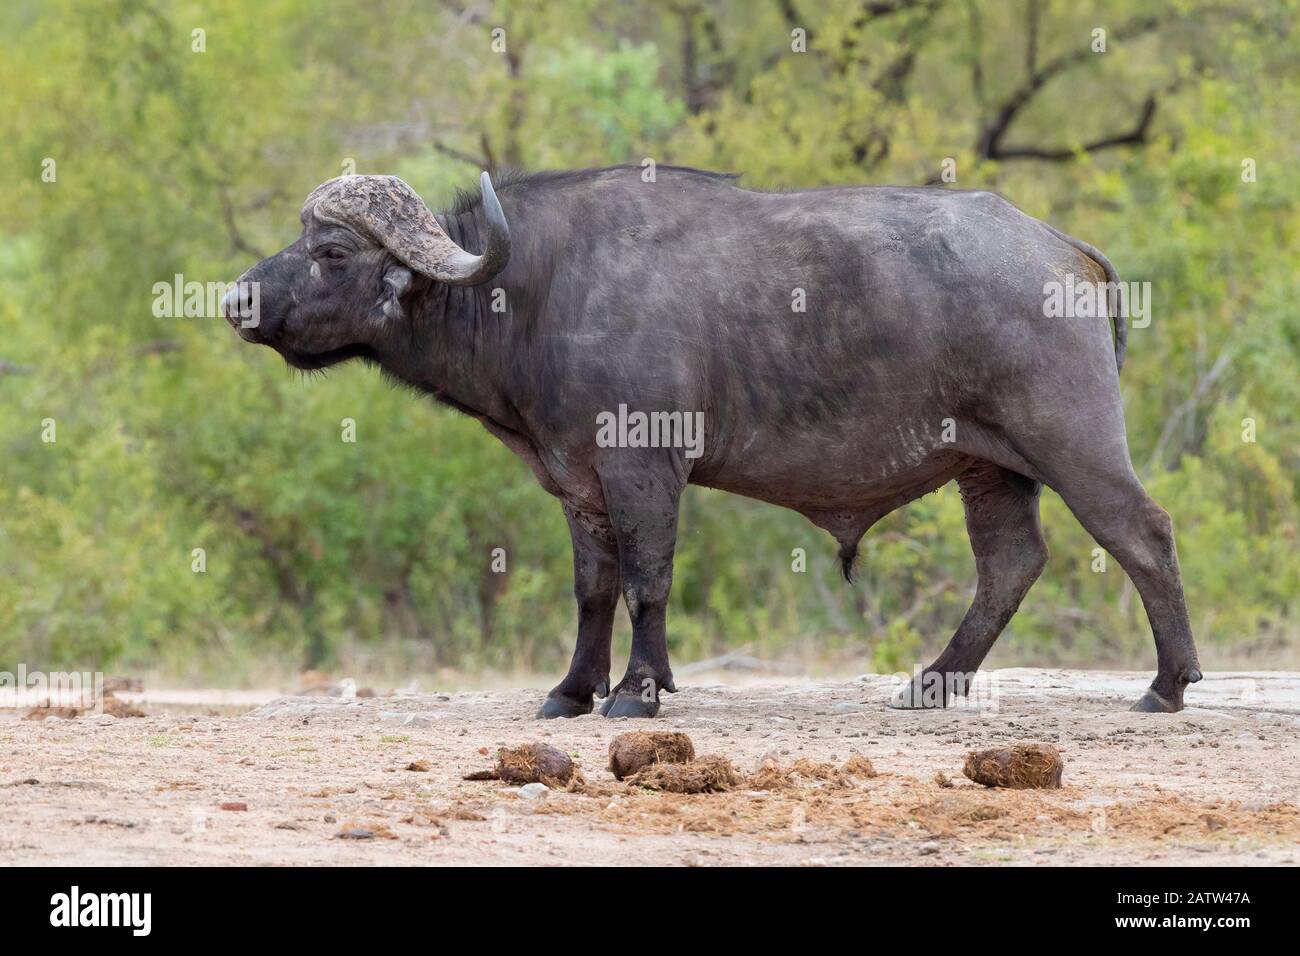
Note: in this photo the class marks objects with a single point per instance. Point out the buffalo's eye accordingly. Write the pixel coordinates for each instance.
(334, 253)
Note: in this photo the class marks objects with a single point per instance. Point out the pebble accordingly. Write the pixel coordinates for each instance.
(418, 720)
(534, 791)
(278, 709)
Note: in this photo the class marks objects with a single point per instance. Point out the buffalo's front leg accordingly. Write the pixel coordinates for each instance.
(595, 585)
(642, 489)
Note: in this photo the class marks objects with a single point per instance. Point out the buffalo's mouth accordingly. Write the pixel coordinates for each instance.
(309, 361)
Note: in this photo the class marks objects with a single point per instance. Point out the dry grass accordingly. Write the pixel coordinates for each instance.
(781, 803)
(710, 774)
(634, 751)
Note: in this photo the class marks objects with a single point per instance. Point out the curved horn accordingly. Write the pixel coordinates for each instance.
(391, 212)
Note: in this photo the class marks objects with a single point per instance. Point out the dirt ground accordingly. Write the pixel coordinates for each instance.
(1216, 784)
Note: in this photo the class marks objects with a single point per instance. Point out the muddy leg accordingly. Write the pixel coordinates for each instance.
(595, 585)
(642, 489)
(1005, 534)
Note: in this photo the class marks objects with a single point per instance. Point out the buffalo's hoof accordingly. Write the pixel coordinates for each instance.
(627, 704)
(559, 706)
(919, 696)
(1153, 703)
(1158, 702)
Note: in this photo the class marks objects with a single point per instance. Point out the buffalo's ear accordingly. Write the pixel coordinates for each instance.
(397, 280)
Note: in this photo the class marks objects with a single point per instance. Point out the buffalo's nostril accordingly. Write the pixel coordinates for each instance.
(239, 306)
(230, 303)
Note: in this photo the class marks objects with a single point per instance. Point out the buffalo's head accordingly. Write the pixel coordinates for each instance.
(367, 244)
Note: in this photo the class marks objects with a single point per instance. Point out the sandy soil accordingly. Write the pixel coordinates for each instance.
(1215, 784)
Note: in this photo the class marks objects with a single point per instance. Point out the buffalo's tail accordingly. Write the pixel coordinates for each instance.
(848, 555)
(1112, 277)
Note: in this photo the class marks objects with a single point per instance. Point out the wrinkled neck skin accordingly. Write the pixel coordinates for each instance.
(454, 347)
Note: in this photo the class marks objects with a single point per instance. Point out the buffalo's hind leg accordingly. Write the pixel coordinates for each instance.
(1112, 505)
(1005, 534)
(595, 585)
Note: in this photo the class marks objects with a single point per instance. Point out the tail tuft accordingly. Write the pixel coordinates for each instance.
(848, 555)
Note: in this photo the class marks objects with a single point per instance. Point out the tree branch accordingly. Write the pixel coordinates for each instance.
(158, 347)
(478, 162)
(1188, 407)
(701, 85)
(990, 140)
(1032, 10)
(872, 148)
(977, 51)
(237, 239)
(867, 13)
(1135, 136)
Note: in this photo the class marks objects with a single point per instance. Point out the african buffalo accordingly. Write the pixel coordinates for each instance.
(846, 350)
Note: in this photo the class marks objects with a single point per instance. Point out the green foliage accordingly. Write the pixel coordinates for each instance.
(376, 555)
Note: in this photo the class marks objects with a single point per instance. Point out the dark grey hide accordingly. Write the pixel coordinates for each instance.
(924, 321)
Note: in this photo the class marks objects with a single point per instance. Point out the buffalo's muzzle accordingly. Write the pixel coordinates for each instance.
(239, 307)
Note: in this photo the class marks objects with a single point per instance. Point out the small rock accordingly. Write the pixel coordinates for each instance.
(534, 791)
(365, 831)
(120, 708)
(418, 766)
(234, 805)
(284, 708)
